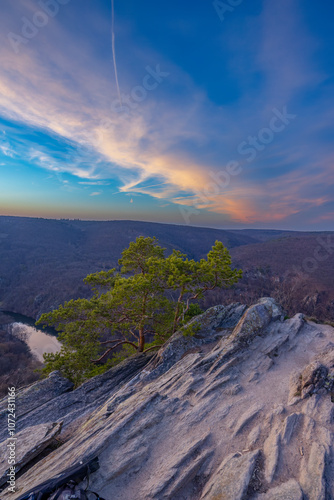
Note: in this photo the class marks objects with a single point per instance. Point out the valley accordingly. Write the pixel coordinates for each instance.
(43, 261)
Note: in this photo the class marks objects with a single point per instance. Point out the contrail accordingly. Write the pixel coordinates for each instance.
(113, 49)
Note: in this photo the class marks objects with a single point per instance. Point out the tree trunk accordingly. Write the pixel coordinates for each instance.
(177, 312)
(141, 343)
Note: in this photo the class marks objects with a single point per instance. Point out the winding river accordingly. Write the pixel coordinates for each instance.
(39, 341)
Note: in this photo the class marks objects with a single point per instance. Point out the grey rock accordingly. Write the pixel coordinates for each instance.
(34, 397)
(219, 384)
(66, 405)
(256, 319)
(188, 474)
(290, 425)
(311, 380)
(271, 450)
(231, 480)
(312, 473)
(208, 416)
(232, 389)
(26, 445)
(295, 389)
(126, 460)
(307, 391)
(314, 375)
(286, 491)
(219, 318)
(254, 436)
(229, 316)
(295, 325)
(271, 349)
(246, 418)
(279, 410)
(309, 428)
(182, 467)
(276, 310)
(39, 393)
(214, 319)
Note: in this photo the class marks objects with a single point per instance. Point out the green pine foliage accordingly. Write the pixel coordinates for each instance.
(136, 309)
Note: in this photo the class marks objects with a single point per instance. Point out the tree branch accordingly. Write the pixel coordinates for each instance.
(153, 347)
(97, 361)
(110, 341)
(133, 334)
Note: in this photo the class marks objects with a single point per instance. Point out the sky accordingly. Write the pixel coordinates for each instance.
(208, 113)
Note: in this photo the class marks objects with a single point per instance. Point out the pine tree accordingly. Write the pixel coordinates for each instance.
(134, 310)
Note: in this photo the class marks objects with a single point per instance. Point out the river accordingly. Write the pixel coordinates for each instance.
(39, 341)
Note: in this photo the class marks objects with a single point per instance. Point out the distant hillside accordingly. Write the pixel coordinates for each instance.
(43, 261)
(297, 269)
(296, 253)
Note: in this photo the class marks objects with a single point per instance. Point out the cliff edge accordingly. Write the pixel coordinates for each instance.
(243, 410)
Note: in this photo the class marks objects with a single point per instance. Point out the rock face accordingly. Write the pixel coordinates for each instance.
(30, 443)
(243, 410)
(53, 399)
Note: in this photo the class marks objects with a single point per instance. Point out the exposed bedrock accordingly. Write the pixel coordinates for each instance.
(243, 410)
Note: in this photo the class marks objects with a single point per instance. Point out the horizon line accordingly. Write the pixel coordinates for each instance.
(75, 219)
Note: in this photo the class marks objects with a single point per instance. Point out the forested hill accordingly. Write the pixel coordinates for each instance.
(43, 261)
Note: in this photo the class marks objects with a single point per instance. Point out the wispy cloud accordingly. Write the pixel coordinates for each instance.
(93, 183)
(167, 147)
(7, 151)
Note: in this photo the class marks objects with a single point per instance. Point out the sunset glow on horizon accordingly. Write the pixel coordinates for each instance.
(221, 118)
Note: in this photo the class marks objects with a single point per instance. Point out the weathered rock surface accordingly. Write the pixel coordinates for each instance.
(242, 410)
(232, 478)
(286, 491)
(27, 445)
(53, 399)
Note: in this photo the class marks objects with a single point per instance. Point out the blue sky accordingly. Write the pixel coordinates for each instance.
(223, 116)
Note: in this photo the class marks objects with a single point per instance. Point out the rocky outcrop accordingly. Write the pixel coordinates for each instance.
(241, 410)
(27, 445)
(53, 399)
